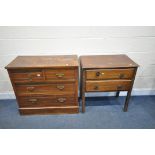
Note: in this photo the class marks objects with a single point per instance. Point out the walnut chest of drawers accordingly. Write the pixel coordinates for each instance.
(45, 84)
(107, 73)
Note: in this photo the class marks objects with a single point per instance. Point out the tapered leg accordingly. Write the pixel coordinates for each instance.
(129, 93)
(83, 102)
(81, 81)
(83, 91)
(117, 93)
(127, 101)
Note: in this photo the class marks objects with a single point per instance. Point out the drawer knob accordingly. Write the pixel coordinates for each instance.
(38, 75)
(60, 75)
(30, 89)
(31, 76)
(96, 87)
(61, 100)
(98, 73)
(60, 87)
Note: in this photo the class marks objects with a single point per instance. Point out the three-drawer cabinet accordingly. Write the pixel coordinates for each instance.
(107, 73)
(45, 84)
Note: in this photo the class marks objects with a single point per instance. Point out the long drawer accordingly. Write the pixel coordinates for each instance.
(45, 89)
(41, 101)
(108, 85)
(98, 74)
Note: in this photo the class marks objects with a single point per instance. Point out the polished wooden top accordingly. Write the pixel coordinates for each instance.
(56, 61)
(107, 61)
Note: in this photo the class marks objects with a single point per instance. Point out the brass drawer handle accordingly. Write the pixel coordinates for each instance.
(61, 87)
(60, 75)
(96, 87)
(32, 100)
(61, 100)
(30, 89)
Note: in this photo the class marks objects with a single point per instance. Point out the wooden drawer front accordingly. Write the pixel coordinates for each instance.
(108, 85)
(59, 74)
(45, 89)
(110, 74)
(27, 76)
(46, 101)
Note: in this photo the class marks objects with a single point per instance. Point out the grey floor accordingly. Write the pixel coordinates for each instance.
(101, 112)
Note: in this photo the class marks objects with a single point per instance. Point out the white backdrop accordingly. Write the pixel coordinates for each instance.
(137, 42)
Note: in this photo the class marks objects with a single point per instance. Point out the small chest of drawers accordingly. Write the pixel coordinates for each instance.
(45, 84)
(107, 73)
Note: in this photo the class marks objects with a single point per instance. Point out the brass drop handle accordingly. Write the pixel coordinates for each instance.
(119, 87)
(60, 75)
(61, 100)
(32, 100)
(61, 87)
(96, 87)
(30, 89)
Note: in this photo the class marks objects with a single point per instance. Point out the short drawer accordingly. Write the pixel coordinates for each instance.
(34, 75)
(109, 74)
(59, 74)
(45, 89)
(46, 101)
(108, 85)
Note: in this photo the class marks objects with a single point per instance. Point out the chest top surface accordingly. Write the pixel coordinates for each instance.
(107, 61)
(43, 62)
